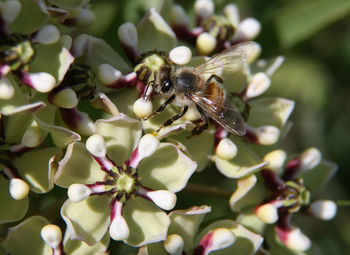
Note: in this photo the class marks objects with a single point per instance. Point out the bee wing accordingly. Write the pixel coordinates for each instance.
(231, 59)
(228, 116)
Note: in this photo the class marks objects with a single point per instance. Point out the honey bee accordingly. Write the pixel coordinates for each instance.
(184, 85)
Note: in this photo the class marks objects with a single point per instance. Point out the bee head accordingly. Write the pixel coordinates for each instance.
(165, 83)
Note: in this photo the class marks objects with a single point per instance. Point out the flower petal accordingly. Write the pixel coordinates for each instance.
(35, 12)
(76, 247)
(27, 234)
(121, 134)
(186, 223)
(147, 223)
(155, 33)
(15, 209)
(205, 141)
(244, 185)
(78, 166)
(168, 168)
(317, 177)
(247, 242)
(37, 167)
(270, 111)
(87, 220)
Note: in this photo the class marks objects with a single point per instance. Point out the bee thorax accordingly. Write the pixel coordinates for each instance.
(186, 82)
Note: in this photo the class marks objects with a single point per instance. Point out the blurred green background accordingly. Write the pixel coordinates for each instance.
(314, 36)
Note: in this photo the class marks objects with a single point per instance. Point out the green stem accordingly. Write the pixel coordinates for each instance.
(343, 202)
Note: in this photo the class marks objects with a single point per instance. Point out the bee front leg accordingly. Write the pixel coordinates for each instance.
(161, 108)
(174, 118)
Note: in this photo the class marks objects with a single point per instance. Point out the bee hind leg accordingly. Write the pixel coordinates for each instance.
(202, 125)
(215, 78)
(174, 118)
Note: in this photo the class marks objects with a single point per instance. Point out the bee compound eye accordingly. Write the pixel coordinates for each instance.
(166, 85)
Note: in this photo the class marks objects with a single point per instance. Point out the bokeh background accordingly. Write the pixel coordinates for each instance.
(314, 36)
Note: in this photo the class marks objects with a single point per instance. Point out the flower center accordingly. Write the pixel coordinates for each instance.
(122, 183)
(294, 195)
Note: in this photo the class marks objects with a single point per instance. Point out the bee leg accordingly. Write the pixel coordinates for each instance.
(161, 108)
(203, 125)
(216, 78)
(172, 119)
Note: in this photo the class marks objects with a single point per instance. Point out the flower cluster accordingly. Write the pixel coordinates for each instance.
(76, 116)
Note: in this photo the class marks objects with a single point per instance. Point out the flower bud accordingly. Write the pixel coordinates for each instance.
(107, 74)
(19, 189)
(148, 145)
(265, 135)
(66, 98)
(180, 55)
(118, 230)
(205, 44)
(47, 35)
(66, 41)
(323, 209)
(174, 244)
(232, 13)
(78, 121)
(178, 16)
(78, 192)
(142, 108)
(7, 91)
(258, 85)
(85, 18)
(96, 145)
(52, 235)
(249, 29)
(204, 8)
(164, 199)
(296, 240)
(309, 159)
(32, 136)
(218, 239)
(127, 33)
(226, 149)
(41, 81)
(80, 45)
(10, 10)
(267, 213)
(276, 160)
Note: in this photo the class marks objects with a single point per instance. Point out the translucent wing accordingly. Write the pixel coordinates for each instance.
(226, 115)
(232, 59)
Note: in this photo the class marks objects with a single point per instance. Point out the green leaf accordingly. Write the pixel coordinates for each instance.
(300, 20)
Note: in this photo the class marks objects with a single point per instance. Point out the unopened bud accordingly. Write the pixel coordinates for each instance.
(96, 145)
(205, 44)
(323, 209)
(52, 235)
(19, 189)
(142, 108)
(226, 149)
(180, 55)
(47, 35)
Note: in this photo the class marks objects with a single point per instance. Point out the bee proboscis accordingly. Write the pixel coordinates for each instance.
(184, 85)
